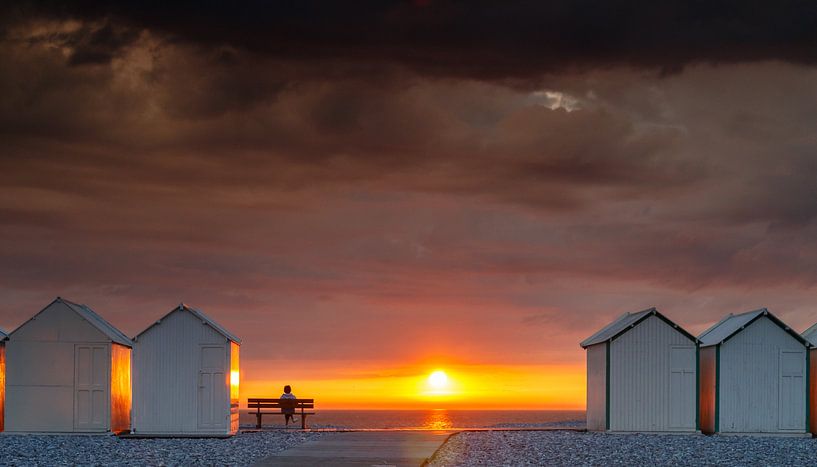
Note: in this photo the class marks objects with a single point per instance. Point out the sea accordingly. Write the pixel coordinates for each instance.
(436, 419)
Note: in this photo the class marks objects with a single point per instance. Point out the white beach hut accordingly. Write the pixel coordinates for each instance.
(810, 335)
(753, 376)
(3, 338)
(68, 370)
(186, 377)
(641, 375)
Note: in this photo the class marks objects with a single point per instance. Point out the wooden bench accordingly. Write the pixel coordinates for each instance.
(260, 404)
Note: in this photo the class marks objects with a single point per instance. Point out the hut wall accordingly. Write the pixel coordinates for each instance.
(40, 371)
(707, 378)
(235, 379)
(120, 388)
(652, 379)
(760, 390)
(813, 392)
(167, 361)
(597, 387)
(2, 384)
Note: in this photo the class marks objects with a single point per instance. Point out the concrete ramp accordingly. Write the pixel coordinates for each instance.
(363, 448)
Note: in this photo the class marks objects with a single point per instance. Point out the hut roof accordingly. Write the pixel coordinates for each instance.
(99, 322)
(626, 322)
(810, 335)
(201, 316)
(89, 315)
(3, 335)
(724, 329)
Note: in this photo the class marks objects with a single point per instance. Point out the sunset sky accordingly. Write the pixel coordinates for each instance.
(369, 191)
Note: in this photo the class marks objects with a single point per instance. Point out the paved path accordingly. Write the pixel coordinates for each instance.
(363, 448)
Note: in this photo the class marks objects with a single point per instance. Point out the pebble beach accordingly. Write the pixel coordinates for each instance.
(57, 450)
(583, 448)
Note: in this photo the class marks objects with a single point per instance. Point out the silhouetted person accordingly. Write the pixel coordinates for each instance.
(288, 411)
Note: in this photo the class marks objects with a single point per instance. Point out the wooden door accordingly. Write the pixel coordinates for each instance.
(91, 387)
(792, 392)
(682, 387)
(213, 404)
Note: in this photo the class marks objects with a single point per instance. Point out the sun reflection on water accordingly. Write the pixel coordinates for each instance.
(437, 420)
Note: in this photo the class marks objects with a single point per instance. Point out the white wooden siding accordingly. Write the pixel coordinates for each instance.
(751, 379)
(40, 369)
(597, 387)
(642, 373)
(166, 363)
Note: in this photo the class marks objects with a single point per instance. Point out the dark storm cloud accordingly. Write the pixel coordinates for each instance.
(469, 38)
(363, 163)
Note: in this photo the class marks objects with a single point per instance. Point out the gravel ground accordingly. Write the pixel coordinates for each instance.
(576, 448)
(57, 450)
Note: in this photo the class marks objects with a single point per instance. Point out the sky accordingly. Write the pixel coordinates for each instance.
(369, 191)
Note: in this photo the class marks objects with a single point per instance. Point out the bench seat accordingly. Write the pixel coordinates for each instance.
(297, 406)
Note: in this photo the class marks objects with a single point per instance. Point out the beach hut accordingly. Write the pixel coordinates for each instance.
(810, 335)
(641, 375)
(186, 376)
(753, 376)
(68, 370)
(3, 338)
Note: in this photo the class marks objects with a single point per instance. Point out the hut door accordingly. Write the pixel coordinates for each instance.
(90, 387)
(213, 404)
(792, 391)
(682, 387)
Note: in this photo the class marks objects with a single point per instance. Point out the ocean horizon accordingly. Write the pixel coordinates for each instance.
(427, 419)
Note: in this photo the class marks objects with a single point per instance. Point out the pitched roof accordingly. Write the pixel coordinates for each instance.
(115, 335)
(730, 325)
(99, 322)
(810, 335)
(201, 316)
(3, 335)
(626, 322)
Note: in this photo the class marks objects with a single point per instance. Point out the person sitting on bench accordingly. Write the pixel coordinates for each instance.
(288, 411)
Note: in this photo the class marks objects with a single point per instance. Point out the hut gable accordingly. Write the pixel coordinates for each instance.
(731, 325)
(198, 315)
(66, 321)
(626, 322)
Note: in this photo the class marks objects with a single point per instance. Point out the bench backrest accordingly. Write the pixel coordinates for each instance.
(259, 403)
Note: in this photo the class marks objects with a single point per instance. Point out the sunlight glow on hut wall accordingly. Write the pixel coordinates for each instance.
(182, 376)
(2, 377)
(235, 380)
(120, 388)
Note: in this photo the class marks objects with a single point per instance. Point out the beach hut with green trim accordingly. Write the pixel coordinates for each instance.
(642, 375)
(754, 374)
(810, 335)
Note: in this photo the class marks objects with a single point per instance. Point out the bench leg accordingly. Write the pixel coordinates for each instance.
(258, 420)
(303, 422)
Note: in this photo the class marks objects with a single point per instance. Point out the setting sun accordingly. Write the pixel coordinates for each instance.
(438, 379)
